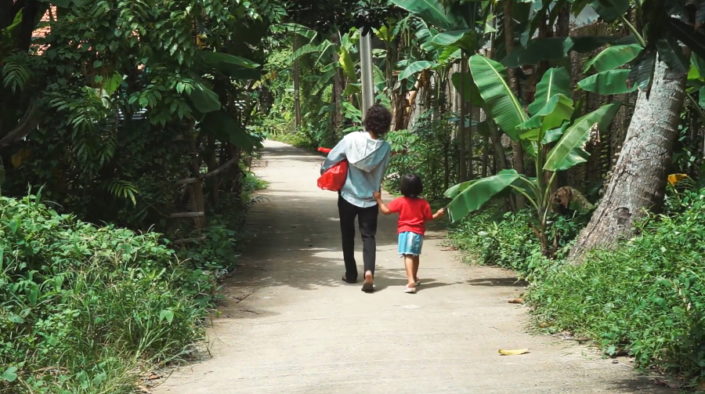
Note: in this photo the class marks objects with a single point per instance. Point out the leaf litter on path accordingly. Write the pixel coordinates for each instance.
(512, 352)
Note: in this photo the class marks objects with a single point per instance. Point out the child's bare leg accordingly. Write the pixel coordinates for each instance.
(416, 268)
(409, 264)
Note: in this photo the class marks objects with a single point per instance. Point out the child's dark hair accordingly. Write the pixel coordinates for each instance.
(411, 186)
(378, 119)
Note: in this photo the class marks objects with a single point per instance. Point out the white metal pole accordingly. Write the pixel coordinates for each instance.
(368, 92)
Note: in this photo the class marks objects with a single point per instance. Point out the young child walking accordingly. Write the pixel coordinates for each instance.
(413, 213)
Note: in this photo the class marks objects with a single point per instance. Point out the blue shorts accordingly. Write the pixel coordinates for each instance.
(410, 243)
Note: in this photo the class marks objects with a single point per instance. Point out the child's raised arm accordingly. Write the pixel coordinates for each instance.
(382, 206)
(439, 213)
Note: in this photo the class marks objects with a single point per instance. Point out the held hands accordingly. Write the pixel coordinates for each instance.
(377, 196)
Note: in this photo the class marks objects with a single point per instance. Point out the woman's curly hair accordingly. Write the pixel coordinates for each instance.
(378, 119)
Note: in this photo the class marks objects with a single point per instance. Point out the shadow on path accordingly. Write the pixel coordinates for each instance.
(289, 324)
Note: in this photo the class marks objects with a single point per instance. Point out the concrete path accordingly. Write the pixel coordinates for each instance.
(290, 325)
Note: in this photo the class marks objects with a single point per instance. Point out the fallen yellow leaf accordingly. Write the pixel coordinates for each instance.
(675, 178)
(512, 352)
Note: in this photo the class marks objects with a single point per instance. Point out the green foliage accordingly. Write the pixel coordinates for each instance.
(433, 12)
(414, 68)
(570, 149)
(506, 239)
(608, 82)
(427, 151)
(646, 298)
(554, 81)
(88, 301)
(551, 121)
(124, 87)
(502, 104)
(471, 195)
(613, 57)
(15, 74)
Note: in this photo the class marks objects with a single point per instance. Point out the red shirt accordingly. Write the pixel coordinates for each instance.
(413, 212)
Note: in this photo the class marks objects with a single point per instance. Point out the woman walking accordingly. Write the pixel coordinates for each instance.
(368, 156)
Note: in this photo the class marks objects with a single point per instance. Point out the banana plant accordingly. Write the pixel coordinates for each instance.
(443, 33)
(556, 140)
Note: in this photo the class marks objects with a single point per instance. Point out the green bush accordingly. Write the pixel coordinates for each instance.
(81, 307)
(646, 298)
(427, 150)
(507, 240)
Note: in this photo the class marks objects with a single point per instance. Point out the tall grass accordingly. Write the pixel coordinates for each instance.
(86, 308)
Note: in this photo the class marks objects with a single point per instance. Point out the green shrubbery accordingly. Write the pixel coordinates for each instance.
(647, 298)
(507, 240)
(83, 307)
(426, 150)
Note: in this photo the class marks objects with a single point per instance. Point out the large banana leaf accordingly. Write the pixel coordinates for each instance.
(449, 55)
(501, 102)
(470, 196)
(557, 110)
(555, 80)
(432, 11)
(310, 48)
(613, 57)
(295, 28)
(347, 63)
(569, 150)
(415, 67)
(608, 82)
(465, 39)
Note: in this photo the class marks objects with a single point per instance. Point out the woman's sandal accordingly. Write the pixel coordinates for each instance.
(368, 286)
(410, 290)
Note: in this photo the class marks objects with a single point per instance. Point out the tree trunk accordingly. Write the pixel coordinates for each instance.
(639, 177)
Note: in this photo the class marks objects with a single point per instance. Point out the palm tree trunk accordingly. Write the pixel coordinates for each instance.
(639, 177)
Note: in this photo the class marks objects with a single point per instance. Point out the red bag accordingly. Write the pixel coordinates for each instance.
(333, 178)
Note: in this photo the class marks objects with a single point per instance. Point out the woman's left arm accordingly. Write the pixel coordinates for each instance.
(336, 155)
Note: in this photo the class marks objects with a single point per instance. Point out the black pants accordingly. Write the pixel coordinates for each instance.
(367, 220)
